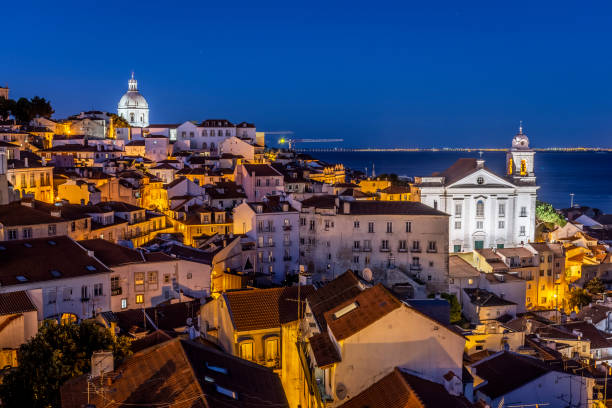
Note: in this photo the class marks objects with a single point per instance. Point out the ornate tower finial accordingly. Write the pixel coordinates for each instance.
(520, 127)
(132, 74)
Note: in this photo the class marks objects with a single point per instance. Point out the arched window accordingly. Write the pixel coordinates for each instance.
(204, 146)
(510, 165)
(523, 167)
(131, 117)
(204, 133)
(480, 208)
(227, 133)
(141, 118)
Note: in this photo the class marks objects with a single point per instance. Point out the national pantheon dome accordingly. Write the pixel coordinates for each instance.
(133, 107)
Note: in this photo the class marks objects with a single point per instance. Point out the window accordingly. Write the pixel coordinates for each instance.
(416, 246)
(367, 245)
(356, 259)
(139, 279)
(389, 227)
(402, 245)
(52, 296)
(271, 346)
(416, 261)
(435, 206)
(98, 289)
(480, 208)
(246, 350)
(432, 247)
(543, 300)
(501, 209)
(408, 226)
(501, 224)
(457, 248)
(312, 225)
(356, 244)
(67, 294)
(370, 227)
(384, 244)
(523, 211)
(84, 292)
(480, 180)
(479, 225)
(303, 222)
(356, 224)
(458, 208)
(522, 231)
(115, 284)
(189, 275)
(457, 225)
(139, 299)
(52, 229)
(549, 272)
(152, 279)
(541, 272)
(12, 234)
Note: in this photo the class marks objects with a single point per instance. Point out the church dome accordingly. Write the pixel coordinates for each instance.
(132, 98)
(133, 107)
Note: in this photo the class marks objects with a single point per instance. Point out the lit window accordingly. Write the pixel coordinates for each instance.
(139, 299)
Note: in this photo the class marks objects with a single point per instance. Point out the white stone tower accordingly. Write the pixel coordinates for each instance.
(520, 159)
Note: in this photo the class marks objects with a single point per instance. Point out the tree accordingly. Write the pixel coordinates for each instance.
(595, 286)
(25, 110)
(546, 213)
(118, 121)
(57, 353)
(455, 306)
(579, 298)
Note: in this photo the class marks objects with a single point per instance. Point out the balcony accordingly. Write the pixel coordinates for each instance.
(266, 229)
(402, 250)
(287, 243)
(383, 249)
(356, 249)
(116, 291)
(367, 249)
(432, 251)
(85, 299)
(417, 250)
(270, 244)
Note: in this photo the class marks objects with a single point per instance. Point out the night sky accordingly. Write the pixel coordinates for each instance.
(377, 73)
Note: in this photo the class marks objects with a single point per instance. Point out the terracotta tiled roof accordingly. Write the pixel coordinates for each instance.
(264, 308)
(45, 259)
(324, 350)
(112, 254)
(16, 302)
(371, 305)
(460, 169)
(400, 389)
(183, 374)
(14, 214)
(506, 372)
(389, 207)
(261, 170)
(484, 298)
(332, 294)
(460, 268)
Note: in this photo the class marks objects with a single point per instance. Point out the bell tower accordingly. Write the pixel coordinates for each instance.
(520, 159)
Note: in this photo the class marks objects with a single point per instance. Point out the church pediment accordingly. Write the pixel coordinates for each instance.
(481, 178)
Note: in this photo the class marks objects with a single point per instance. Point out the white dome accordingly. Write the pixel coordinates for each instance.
(133, 99)
(133, 107)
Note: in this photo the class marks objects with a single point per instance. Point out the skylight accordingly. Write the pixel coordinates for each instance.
(345, 310)
(90, 268)
(51, 242)
(27, 245)
(227, 392)
(55, 273)
(218, 369)
(209, 379)
(21, 278)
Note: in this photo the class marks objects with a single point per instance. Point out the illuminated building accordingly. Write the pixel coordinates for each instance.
(133, 107)
(31, 178)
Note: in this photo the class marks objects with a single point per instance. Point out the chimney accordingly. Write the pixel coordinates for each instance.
(577, 333)
(27, 203)
(588, 320)
(101, 363)
(56, 212)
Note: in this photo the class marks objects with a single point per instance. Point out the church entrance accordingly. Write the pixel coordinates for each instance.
(478, 244)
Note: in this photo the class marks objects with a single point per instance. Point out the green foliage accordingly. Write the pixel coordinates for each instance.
(595, 285)
(455, 306)
(57, 353)
(25, 110)
(118, 121)
(579, 298)
(546, 213)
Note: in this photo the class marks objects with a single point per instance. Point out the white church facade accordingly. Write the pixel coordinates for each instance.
(133, 107)
(486, 210)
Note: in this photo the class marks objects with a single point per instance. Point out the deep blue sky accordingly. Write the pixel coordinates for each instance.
(377, 73)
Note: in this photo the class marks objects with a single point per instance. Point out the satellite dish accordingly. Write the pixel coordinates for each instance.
(367, 274)
(341, 391)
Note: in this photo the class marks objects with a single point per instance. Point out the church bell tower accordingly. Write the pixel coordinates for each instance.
(520, 159)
